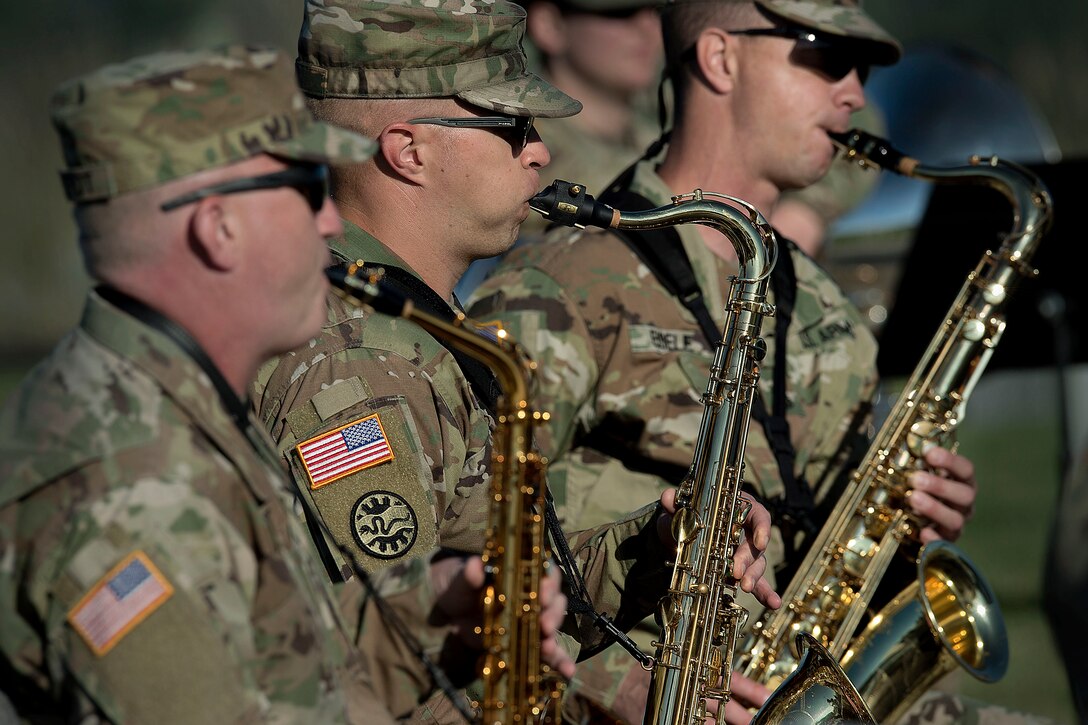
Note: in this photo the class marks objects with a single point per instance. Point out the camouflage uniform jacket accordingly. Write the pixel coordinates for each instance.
(433, 488)
(618, 351)
(150, 570)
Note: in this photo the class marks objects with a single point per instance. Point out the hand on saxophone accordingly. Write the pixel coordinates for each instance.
(749, 563)
(458, 585)
(748, 696)
(945, 494)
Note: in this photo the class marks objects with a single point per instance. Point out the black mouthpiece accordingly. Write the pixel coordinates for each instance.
(569, 205)
(370, 290)
(872, 148)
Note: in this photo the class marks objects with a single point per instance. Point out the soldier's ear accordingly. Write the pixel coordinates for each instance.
(406, 148)
(715, 57)
(546, 28)
(215, 230)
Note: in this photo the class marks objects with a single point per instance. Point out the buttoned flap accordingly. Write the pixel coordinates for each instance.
(362, 469)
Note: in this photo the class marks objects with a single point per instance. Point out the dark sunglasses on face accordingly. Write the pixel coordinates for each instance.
(310, 180)
(521, 127)
(833, 58)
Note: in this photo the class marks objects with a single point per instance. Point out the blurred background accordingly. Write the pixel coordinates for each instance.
(981, 76)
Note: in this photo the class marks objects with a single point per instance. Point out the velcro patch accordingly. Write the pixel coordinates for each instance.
(350, 448)
(119, 601)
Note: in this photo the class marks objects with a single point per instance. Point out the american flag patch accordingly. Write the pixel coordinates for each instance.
(350, 448)
(123, 598)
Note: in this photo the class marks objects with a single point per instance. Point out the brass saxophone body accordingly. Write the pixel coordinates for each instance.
(518, 687)
(699, 618)
(949, 616)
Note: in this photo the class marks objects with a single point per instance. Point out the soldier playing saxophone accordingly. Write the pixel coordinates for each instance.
(457, 163)
(759, 85)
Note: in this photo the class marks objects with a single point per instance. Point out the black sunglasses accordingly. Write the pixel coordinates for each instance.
(834, 58)
(521, 126)
(310, 180)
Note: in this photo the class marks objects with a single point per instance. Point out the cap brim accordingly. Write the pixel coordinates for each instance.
(323, 143)
(845, 21)
(527, 95)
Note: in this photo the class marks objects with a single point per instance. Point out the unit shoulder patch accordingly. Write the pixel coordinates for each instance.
(384, 524)
(379, 514)
(122, 599)
(353, 447)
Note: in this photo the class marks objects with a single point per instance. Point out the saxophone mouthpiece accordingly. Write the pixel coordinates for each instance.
(569, 205)
(872, 151)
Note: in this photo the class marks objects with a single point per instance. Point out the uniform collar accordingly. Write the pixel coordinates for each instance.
(357, 243)
(168, 354)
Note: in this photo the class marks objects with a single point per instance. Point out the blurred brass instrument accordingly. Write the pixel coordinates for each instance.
(699, 618)
(518, 686)
(948, 616)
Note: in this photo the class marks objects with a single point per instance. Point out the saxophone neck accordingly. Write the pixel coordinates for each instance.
(1028, 196)
(748, 231)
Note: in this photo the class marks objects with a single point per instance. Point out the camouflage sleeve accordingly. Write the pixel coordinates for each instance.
(540, 315)
(406, 453)
(623, 562)
(624, 565)
(396, 670)
(155, 603)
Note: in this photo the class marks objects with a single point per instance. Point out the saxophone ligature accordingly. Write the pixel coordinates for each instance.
(518, 687)
(948, 616)
(699, 618)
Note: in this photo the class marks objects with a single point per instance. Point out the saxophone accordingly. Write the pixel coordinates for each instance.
(699, 618)
(517, 686)
(948, 616)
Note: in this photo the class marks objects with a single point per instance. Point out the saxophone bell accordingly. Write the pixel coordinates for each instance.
(949, 603)
(949, 616)
(818, 692)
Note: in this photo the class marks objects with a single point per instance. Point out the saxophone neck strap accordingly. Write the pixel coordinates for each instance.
(579, 600)
(663, 254)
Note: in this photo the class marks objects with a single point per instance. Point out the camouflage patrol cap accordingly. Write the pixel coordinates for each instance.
(160, 117)
(845, 18)
(467, 49)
